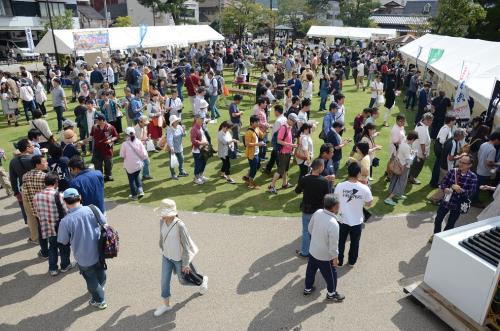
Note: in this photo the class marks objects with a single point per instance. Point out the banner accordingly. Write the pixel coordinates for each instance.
(434, 55)
(29, 39)
(461, 109)
(493, 113)
(143, 29)
(90, 40)
(418, 55)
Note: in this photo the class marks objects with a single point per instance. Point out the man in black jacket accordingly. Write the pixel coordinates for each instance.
(18, 166)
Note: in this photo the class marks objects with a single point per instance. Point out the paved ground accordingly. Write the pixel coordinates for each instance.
(255, 280)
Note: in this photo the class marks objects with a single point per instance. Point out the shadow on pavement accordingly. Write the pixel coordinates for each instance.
(405, 319)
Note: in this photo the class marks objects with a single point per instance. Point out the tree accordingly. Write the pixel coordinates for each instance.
(357, 13)
(64, 21)
(241, 17)
(122, 21)
(173, 7)
(292, 13)
(456, 17)
(489, 29)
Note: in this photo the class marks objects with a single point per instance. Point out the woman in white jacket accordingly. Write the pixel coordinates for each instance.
(133, 153)
(40, 95)
(178, 252)
(405, 156)
(225, 148)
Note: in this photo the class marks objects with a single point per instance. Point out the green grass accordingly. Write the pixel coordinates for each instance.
(217, 196)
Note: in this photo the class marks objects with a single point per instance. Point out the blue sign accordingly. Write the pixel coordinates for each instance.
(143, 30)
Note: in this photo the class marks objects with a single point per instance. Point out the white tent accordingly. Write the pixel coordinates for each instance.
(350, 32)
(482, 55)
(129, 37)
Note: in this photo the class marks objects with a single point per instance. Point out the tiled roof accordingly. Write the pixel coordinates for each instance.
(90, 12)
(415, 7)
(399, 20)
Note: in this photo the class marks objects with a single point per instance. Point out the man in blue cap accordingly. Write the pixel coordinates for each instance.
(81, 228)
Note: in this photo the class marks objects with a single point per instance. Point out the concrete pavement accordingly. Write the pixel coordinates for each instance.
(255, 281)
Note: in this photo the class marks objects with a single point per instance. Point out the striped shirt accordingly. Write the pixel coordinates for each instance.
(33, 182)
(44, 204)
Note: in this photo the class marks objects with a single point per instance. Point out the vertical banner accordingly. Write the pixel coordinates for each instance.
(493, 113)
(29, 39)
(143, 29)
(418, 55)
(461, 108)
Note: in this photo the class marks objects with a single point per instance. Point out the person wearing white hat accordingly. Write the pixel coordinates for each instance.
(178, 252)
(133, 153)
(175, 133)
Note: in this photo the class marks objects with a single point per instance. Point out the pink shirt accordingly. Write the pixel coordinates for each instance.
(133, 154)
(285, 134)
(262, 120)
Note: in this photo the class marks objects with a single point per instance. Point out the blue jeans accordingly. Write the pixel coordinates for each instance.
(180, 158)
(134, 180)
(324, 97)
(28, 106)
(167, 266)
(354, 233)
(254, 166)
(60, 118)
(179, 90)
(306, 236)
(199, 164)
(53, 249)
(145, 168)
(212, 105)
(95, 276)
(411, 97)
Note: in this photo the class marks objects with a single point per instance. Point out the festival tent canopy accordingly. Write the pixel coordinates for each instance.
(130, 37)
(350, 32)
(480, 56)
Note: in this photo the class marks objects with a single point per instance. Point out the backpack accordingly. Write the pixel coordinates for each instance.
(130, 112)
(109, 241)
(130, 77)
(274, 139)
(219, 86)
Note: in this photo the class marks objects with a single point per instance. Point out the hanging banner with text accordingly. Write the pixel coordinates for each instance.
(90, 40)
(29, 39)
(461, 109)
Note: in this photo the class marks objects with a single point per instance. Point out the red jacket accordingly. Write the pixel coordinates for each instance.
(196, 136)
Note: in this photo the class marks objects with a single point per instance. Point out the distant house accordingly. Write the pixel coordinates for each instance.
(405, 16)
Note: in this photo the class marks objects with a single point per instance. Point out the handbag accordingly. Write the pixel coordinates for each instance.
(174, 161)
(193, 277)
(207, 151)
(150, 146)
(464, 203)
(380, 100)
(395, 167)
(375, 162)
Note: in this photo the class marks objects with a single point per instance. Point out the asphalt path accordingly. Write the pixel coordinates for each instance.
(255, 280)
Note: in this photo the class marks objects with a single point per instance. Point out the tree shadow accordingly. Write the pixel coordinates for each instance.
(59, 319)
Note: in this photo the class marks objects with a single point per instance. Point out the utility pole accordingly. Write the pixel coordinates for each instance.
(52, 31)
(106, 13)
(271, 25)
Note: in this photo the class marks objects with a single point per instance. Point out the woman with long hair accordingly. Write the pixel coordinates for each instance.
(226, 148)
(9, 104)
(368, 136)
(288, 99)
(305, 149)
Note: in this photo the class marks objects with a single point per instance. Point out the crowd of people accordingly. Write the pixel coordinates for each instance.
(54, 186)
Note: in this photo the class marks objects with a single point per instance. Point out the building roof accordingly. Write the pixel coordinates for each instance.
(416, 7)
(90, 13)
(399, 20)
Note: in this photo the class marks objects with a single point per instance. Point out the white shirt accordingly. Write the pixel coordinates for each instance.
(302, 118)
(378, 86)
(162, 73)
(324, 230)
(398, 135)
(40, 95)
(109, 75)
(306, 144)
(308, 90)
(270, 96)
(405, 154)
(340, 115)
(361, 69)
(175, 104)
(281, 120)
(172, 248)
(444, 134)
(26, 93)
(352, 198)
(423, 139)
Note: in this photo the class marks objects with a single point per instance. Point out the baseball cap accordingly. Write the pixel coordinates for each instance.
(130, 130)
(70, 193)
(293, 117)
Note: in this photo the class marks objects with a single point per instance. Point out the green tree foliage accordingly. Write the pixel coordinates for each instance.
(456, 17)
(174, 7)
(293, 13)
(357, 13)
(122, 21)
(245, 16)
(64, 21)
(489, 28)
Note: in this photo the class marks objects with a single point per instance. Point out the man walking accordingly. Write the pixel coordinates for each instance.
(81, 228)
(353, 196)
(314, 188)
(235, 116)
(89, 183)
(323, 252)
(278, 123)
(103, 135)
(423, 146)
(59, 102)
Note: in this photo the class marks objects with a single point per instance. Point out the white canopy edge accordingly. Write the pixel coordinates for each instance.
(129, 37)
(481, 53)
(350, 32)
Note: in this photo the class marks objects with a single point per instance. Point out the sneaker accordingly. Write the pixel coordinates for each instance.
(98, 305)
(337, 297)
(141, 193)
(40, 255)
(183, 174)
(199, 181)
(53, 273)
(390, 202)
(415, 181)
(212, 122)
(231, 181)
(33, 242)
(309, 291)
(204, 285)
(132, 197)
(246, 179)
(272, 190)
(70, 266)
(299, 254)
(162, 310)
(204, 178)
(174, 177)
(287, 185)
(402, 197)
(370, 178)
(109, 179)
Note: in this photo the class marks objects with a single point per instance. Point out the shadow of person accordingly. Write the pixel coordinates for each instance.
(59, 319)
(412, 311)
(12, 268)
(24, 287)
(282, 313)
(416, 265)
(145, 321)
(14, 236)
(269, 269)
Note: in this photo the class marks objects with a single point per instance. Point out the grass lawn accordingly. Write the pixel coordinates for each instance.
(217, 195)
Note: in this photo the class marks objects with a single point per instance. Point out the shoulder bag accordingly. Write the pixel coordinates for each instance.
(464, 202)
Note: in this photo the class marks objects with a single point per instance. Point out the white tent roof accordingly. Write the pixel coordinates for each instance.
(482, 54)
(129, 37)
(350, 32)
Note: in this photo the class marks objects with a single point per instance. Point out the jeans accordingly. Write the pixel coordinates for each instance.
(254, 166)
(95, 276)
(354, 233)
(145, 168)
(199, 164)
(53, 250)
(226, 165)
(328, 272)
(273, 159)
(98, 165)
(180, 158)
(179, 90)
(134, 180)
(372, 102)
(306, 236)
(28, 106)
(411, 97)
(212, 105)
(60, 118)
(441, 214)
(324, 97)
(167, 266)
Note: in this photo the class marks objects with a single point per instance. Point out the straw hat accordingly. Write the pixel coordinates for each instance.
(167, 208)
(173, 118)
(69, 137)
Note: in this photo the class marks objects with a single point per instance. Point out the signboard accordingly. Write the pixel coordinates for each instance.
(29, 39)
(90, 40)
(461, 108)
(143, 29)
(434, 55)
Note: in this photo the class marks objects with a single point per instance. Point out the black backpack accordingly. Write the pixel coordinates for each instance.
(130, 77)
(219, 86)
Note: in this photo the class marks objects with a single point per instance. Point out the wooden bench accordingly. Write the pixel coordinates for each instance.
(240, 91)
